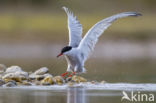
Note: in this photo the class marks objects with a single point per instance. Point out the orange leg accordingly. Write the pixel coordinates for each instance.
(64, 74)
(73, 73)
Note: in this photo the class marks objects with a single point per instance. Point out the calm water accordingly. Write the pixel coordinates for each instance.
(117, 67)
(68, 95)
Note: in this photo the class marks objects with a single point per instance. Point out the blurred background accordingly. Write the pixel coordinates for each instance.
(32, 33)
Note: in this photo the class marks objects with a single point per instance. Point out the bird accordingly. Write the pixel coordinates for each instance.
(79, 49)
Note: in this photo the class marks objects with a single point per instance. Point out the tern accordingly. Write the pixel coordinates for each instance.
(79, 49)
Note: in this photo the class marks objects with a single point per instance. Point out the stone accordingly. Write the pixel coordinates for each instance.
(26, 83)
(1, 82)
(13, 69)
(70, 84)
(2, 68)
(47, 81)
(68, 79)
(17, 76)
(37, 82)
(47, 74)
(41, 71)
(103, 82)
(10, 84)
(78, 79)
(37, 77)
(59, 80)
(94, 82)
(1, 76)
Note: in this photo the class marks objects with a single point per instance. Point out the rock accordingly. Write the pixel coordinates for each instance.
(70, 84)
(17, 76)
(78, 79)
(41, 71)
(68, 79)
(26, 83)
(2, 68)
(22, 75)
(94, 82)
(37, 77)
(13, 69)
(1, 76)
(10, 84)
(1, 82)
(47, 81)
(47, 74)
(103, 82)
(37, 82)
(59, 80)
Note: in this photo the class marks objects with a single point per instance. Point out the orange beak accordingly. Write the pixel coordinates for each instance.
(59, 55)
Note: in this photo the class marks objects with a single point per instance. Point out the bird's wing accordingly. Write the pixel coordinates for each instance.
(88, 42)
(75, 29)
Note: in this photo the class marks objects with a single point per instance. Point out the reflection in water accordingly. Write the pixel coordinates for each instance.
(76, 95)
(66, 95)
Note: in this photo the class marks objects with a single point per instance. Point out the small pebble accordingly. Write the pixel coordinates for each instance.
(2, 68)
(26, 83)
(68, 79)
(59, 80)
(47, 81)
(103, 82)
(70, 84)
(10, 84)
(1, 82)
(13, 69)
(37, 77)
(78, 79)
(41, 71)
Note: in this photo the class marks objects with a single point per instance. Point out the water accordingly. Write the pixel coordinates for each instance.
(118, 68)
(101, 93)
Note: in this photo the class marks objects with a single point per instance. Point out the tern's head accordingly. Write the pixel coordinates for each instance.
(64, 50)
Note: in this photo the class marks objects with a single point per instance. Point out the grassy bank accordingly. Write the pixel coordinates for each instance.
(54, 26)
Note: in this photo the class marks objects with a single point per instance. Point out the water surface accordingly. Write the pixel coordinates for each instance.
(104, 93)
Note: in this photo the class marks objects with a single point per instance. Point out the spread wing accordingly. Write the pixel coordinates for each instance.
(88, 42)
(75, 29)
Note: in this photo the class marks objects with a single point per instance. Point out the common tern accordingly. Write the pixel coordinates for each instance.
(79, 49)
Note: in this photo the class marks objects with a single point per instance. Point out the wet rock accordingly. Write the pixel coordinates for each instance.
(59, 80)
(37, 82)
(37, 77)
(47, 81)
(41, 71)
(68, 79)
(10, 84)
(1, 82)
(78, 79)
(94, 82)
(70, 84)
(47, 74)
(13, 69)
(1, 76)
(17, 76)
(2, 68)
(103, 82)
(26, 83)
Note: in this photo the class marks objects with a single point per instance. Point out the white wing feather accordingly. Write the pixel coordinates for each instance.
(75, 29)
(88, 42)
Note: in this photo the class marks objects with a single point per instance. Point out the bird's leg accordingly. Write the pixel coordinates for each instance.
(64, 74)
(73, 73)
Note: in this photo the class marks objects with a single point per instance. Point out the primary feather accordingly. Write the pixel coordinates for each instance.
(88, 42)
(75, 29)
